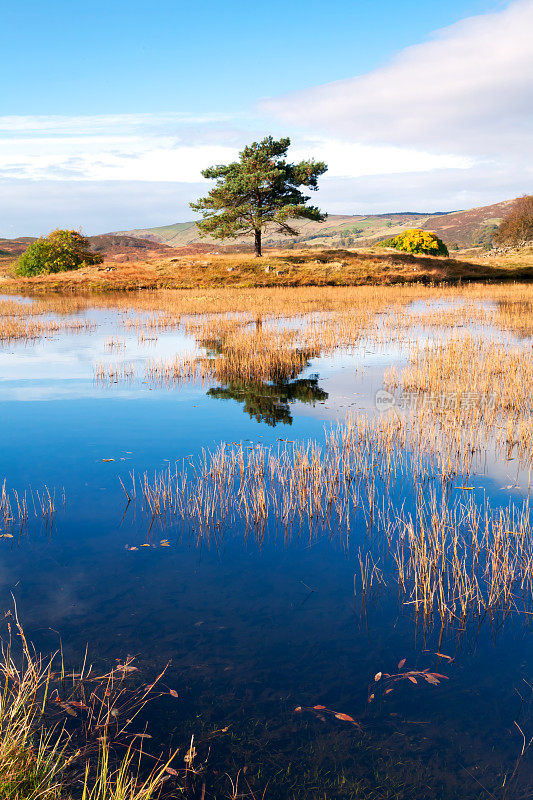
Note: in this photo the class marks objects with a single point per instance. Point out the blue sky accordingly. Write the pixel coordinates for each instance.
(122, 57)
(110, 110)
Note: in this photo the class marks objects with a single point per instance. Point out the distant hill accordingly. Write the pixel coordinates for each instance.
(116, 247)
(112, 246)
(15, 247)
(456, 228)
(460, 229)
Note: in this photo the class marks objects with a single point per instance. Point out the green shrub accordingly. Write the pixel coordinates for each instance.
(62, 250)
(415, 240)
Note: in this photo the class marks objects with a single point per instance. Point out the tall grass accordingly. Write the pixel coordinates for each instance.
(42, 757)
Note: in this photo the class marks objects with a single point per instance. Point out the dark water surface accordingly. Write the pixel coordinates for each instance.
(253, 628)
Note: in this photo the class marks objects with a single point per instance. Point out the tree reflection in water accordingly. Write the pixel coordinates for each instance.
(270, 402)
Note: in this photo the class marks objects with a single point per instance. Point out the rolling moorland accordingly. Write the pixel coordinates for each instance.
(338, 252)
(459, 229)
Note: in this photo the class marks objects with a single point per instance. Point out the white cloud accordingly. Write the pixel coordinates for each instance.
(353, 159)
(104, 123)
(468, 90)
(116, 158)
(173, 148)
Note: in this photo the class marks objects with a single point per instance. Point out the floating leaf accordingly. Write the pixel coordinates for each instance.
(413, 680)
(78, 704)
(174, 693)
(438, 675)
(298, 709)
(171, 771)
(442, 655)
(388, 691)
(344, 717)
(431, 679)
(377, 676)
(319, 708)
(370, 698)
(126, 668)
(402, 663)
(108, 459)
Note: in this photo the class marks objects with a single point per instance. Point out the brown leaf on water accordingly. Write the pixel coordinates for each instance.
(298, 709)
(108, 459)
(370, 698)
(442, 655)
(388, 691)
(174, 693)
(78, 704)
(65, 706)
(344, 717)
(377, 676)
(126, 668)
(413, 680)
(319, 708)
(431, 679)
(321, 717)
(171, 771)
(438, 675)
(402, 663)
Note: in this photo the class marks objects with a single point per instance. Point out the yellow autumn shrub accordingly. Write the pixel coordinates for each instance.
(416, 240)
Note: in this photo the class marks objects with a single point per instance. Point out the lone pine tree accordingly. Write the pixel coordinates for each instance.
(259, 189)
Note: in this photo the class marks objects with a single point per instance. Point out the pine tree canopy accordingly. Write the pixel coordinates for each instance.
(259, 189)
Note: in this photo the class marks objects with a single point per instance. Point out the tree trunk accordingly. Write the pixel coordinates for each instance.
(258, 252)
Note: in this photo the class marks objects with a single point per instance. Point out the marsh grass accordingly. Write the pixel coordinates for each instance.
(44, 757)
(472, 389)
(17, 509)
(452, 558)
(461, 560)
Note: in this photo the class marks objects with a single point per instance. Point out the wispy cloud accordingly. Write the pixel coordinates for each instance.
(467, 90)
(140, 148)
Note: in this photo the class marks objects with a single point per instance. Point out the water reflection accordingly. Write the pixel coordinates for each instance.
(270, 402)
(256, 626)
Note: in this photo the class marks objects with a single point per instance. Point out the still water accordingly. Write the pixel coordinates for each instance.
(251, 627)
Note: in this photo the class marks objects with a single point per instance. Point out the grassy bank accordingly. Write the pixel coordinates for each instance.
(276, 268)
